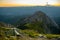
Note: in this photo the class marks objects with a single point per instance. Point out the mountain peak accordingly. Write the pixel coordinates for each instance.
(40, 22)
(40, 12)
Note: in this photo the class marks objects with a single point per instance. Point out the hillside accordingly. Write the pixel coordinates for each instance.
(11, 33)
(40, 22)
(28, 23)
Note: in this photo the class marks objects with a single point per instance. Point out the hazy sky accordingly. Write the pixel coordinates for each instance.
(35, 2)
(29, 1)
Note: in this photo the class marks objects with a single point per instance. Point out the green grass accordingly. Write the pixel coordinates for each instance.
(52, 36)
(37, 26)
(29, 34)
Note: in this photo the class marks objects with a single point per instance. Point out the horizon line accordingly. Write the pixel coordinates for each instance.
(14, 5)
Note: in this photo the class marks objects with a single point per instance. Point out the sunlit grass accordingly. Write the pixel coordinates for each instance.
(52, 36)
(31, 35)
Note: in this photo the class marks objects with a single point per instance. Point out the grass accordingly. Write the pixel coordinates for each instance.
(52, 36)
(49, 36)
(31, 35)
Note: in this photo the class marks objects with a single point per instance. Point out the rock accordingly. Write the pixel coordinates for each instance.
(42, 36)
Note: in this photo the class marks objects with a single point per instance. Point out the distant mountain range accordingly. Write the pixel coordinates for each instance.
(13, 14)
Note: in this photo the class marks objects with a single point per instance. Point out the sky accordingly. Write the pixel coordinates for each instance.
(28, 2)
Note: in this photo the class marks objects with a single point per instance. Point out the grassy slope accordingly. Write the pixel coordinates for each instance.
(32, 35)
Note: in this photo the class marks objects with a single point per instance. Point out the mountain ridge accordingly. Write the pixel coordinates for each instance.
(40, 17)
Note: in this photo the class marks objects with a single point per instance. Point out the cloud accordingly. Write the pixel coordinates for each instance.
(24, 1)
(28, 2)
